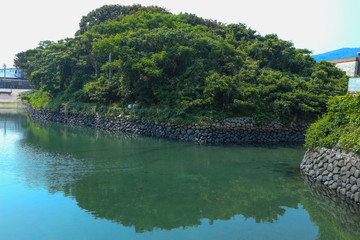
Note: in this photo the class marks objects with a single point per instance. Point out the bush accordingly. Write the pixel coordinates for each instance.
(339, 127)
(38, 99)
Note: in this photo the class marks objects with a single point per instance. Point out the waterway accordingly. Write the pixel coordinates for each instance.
(61, 182)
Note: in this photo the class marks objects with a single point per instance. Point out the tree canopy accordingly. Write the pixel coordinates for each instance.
(178, 66)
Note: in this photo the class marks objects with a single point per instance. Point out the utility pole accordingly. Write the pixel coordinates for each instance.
(11, 84)
(5, 75)
(4, 71)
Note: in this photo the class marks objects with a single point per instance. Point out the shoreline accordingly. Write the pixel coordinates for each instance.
(335, 169)
(11, 101)
(180, 132)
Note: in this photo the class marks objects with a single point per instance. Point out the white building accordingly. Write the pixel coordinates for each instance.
(350, 66)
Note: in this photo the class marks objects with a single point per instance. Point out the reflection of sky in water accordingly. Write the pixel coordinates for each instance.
(8, 149)
(71, 183)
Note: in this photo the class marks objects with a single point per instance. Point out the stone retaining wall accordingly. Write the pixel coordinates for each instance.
(335, 169)
(219, 134)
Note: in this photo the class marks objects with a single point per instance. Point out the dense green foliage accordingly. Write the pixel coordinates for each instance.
(340, 127)
(176, 67)
(113, 13)
(37, 99)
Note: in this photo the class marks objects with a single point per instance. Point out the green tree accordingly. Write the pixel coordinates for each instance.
(193, 66)
(113, 12)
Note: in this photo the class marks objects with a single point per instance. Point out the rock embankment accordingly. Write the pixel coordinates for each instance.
(233, 132)
(335, 169)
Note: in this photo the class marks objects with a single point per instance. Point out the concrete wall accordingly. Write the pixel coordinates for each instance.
(350, 68)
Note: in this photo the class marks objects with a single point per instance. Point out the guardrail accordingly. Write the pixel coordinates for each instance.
(6, 92)
(15, 84)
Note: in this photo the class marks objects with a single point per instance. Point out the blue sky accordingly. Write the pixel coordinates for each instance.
(318, 25)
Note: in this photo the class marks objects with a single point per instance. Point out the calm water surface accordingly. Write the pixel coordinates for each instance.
(59, 182)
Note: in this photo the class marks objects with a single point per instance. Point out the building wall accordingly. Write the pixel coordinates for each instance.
(350, 68)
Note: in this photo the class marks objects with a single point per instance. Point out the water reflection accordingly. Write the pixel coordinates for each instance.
(153, 184)
(336, 217)
(12, 119)
(149, 183)
(151, 199)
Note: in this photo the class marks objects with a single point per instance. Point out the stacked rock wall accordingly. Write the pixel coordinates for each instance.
(233, 132)
(336, 169)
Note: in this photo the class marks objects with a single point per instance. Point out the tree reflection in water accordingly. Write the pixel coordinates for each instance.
(155, 184)
(335, 217)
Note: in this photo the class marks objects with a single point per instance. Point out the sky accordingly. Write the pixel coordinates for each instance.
(317, 25)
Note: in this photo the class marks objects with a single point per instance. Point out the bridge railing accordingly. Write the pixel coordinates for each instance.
(15, 84)
(2, 91)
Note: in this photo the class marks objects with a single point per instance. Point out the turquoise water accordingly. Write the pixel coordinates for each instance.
(60, 182)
